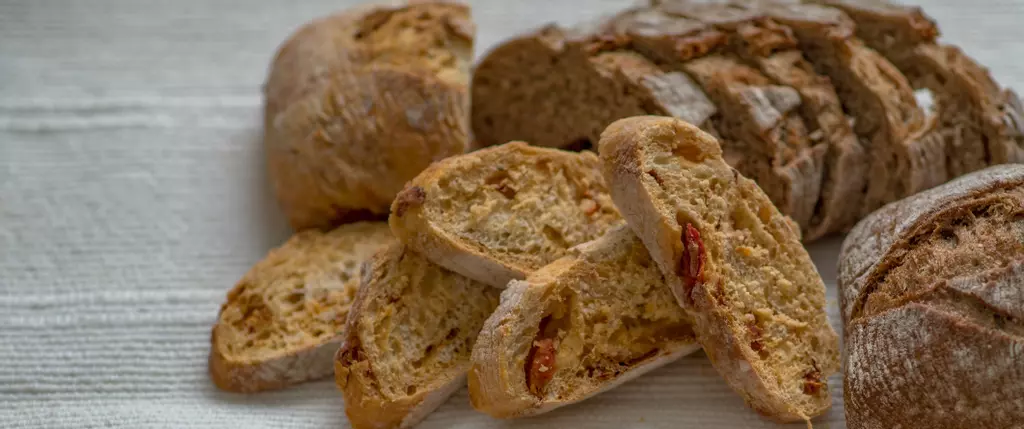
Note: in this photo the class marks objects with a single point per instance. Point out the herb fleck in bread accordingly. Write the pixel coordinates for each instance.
(577, 327)
(497, 214)
(734, 263)
(409, 337)
(284, 320)
(359, 103)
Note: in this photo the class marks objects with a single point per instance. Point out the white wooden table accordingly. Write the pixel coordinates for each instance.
(133, 195)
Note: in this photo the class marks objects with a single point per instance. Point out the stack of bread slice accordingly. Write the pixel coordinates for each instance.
(610, 266)
(702, 259)
(814, 100)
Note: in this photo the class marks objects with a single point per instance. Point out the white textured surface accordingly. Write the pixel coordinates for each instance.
(132, 196)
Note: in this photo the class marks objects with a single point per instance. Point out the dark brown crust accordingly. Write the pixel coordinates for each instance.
(413, 196)
(945, 355)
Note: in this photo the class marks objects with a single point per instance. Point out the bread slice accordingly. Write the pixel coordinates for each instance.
(409, 337)
(734, 263)
(497, 214)
(282, 323)
(584, 324)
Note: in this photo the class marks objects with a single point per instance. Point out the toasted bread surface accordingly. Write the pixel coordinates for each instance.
(499, 213)
(408, 340)
(282, 322)
(579, 326)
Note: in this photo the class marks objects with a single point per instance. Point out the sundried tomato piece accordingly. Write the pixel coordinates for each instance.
(691, 265)
(541, 365)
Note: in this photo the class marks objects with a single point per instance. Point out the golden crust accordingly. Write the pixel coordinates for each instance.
(360, 102)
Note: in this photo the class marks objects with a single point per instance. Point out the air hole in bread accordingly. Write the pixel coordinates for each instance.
(555, 237)
(657, 178)
(295, 297)
(579, 145)
(501, 182)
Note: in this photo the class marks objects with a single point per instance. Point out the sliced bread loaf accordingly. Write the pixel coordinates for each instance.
(875, 93)
(978, 121)
(577, 327)
(497, 214)
(637, 58)
(762, 131)
(734, 263)
(560, 83)
(771, 48)
(282, 323)
(409, 337)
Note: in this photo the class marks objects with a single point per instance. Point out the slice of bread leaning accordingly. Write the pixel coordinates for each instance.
(579, 326)
(409, 337)
(732, 260)
(282, 323)
(497, 214)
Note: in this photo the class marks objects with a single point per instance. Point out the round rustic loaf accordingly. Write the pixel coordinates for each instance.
(360, 102)
(932, 294)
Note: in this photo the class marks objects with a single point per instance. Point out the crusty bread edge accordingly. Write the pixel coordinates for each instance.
(442, 249)
(622, 168)
(874, 237)
(493, 372)
(355, 379)
(311, 363)
(413, 229)
(628, 375)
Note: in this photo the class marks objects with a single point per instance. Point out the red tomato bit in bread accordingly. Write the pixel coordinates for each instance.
(541, 366)
(691, 265)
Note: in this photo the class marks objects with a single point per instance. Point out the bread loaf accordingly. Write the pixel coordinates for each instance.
(583, 324)
(408, 340)
(771, 79)
(499, 213)
(733, 262)
(932, 302)
(282, 323)
(360, 102)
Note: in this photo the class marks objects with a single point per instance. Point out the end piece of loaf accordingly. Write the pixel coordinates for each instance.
(497, 214)
(733, 261)
(409, 337)
(360, 102)
(933, 306)
(577, 327)
(282, 323)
